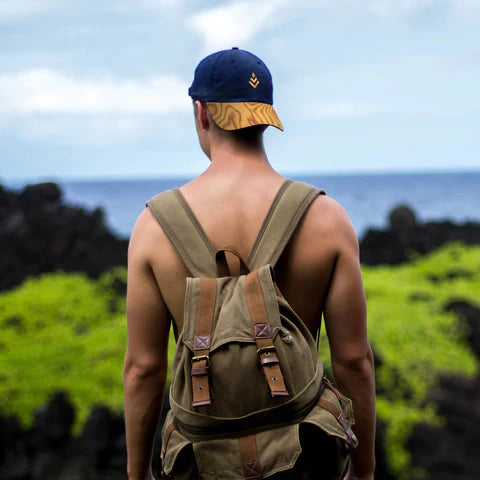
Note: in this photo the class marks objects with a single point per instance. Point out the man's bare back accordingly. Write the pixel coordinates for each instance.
(231, 214)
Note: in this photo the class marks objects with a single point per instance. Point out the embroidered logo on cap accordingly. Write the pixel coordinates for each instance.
(254, 81)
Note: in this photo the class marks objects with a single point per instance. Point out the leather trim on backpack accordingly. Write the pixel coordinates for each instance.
(248, 453)
(352, 440)
(266, 350)
(202, 343)
(166, 436)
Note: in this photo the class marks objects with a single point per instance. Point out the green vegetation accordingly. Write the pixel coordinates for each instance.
(65, 331)
(61, 331)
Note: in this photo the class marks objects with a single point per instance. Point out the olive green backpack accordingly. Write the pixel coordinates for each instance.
(245, 373)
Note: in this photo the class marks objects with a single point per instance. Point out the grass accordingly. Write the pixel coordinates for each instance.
(66, 331)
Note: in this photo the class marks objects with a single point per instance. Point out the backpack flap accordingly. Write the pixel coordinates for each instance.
(241, 398)
(274, 451)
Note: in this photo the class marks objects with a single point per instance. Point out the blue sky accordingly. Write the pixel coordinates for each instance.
(99, 89)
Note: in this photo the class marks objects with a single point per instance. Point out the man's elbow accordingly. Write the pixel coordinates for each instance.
(356, 361)
(141, 370)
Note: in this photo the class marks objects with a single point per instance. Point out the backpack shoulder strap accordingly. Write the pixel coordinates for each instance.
(185, 232)
(280, 223)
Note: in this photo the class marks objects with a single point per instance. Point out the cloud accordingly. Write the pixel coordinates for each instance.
(16, 9)
(397, 8)
(45, 104)
(239, 22)
(466, 4)
(157, 3)
(47, 91)
(339, 110)
(149, 5)
(236, 23)
(95, 129)
(468, 10)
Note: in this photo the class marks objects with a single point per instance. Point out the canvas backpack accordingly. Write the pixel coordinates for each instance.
(245, 373)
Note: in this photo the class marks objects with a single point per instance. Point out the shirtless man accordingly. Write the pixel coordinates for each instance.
(319, 270)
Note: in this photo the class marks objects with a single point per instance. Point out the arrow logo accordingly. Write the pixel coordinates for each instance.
(254, 81)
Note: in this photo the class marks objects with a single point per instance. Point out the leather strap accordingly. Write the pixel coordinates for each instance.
(262, 333)
(352, 440)
(248, 454)
(166, 437)
(284, 215)
(202, 343)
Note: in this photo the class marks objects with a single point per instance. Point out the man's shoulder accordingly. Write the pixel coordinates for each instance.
(145, 231)
(329, 211)
(327, 218)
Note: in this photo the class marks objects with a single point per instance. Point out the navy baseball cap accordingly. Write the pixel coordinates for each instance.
(237, 88)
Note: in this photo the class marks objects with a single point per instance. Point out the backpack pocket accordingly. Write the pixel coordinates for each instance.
(319, 441)
(333, 413)
(178, 459)
(277, 450)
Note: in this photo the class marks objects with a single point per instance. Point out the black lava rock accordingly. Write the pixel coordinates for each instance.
(405, 236)
(49, 451)
(382, 471)
(450, 452)
(53, 422)
(39, 234)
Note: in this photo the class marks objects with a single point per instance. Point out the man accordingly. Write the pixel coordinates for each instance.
(319, 271)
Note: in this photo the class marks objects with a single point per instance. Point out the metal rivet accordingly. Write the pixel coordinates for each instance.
(274, 379)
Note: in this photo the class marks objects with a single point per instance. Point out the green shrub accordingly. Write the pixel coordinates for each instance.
(415, 339)
(63, 331)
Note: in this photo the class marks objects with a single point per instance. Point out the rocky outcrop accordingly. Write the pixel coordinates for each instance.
(405, 236)
(49, 451)
(450, 452)
(39, 234)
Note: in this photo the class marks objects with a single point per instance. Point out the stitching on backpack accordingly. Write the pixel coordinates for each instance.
(262, 330)
(202, 342)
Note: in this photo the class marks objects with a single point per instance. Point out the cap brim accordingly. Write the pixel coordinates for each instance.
(236, 115)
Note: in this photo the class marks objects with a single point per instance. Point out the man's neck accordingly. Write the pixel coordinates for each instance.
(232, 157)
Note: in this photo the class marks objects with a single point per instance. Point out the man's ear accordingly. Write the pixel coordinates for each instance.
(202, 114)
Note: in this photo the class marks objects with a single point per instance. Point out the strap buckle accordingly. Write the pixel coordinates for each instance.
(200, 358)
(267, 350)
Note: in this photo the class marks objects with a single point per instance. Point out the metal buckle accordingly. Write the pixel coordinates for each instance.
(200, 358)
(270, 348)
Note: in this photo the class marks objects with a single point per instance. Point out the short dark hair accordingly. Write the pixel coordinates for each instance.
(249, 136)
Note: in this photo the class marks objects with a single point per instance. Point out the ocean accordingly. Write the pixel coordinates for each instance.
(368, 199)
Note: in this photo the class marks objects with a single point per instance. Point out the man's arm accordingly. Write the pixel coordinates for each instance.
(351, 355)
(146, 359)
